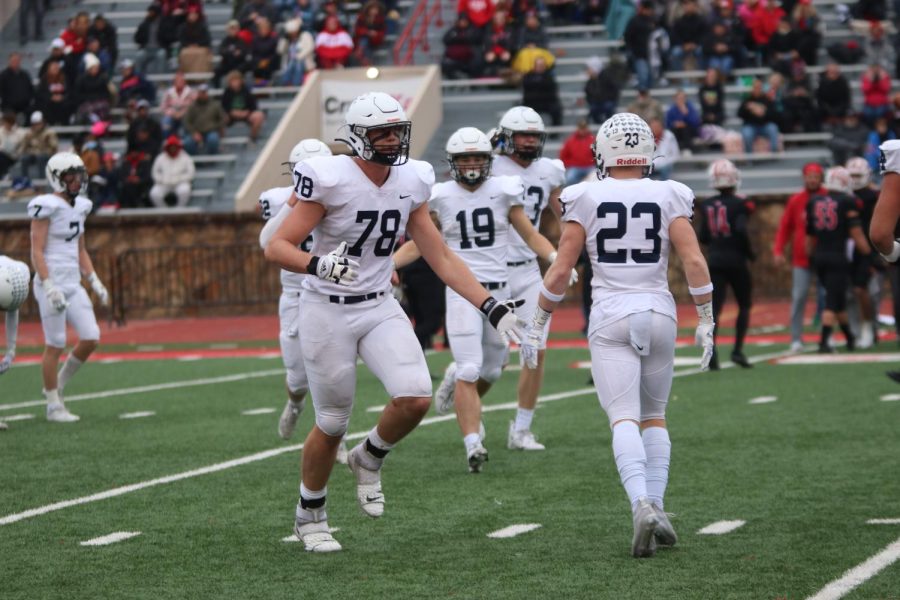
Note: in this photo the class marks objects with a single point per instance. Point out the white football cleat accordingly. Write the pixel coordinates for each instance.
(477, 455)
(664, 533)
(443, 397)
(3, 426)
(521, 440)
(288, 420)
(311, 528)
(342, 452)
(57, 413)
(645, 523)
(866, 336)
(796, 347)
(368, 484)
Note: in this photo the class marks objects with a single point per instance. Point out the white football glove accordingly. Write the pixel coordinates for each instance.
(55, 296)
(335, 266)
(99, 289)
(704, 334)
(528, 352)
(502, 317)
(573, 276)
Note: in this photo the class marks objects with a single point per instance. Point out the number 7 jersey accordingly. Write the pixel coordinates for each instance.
(368, 217)
(626, 222)
(66, 228)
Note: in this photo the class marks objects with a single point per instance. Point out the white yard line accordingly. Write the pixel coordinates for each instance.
(257, 411)
(22, 417)
(149, 348)
(890, 398)
(860, 573)
(513, 530)
(722, 527)
(172, 385)
(112, 538)
(137, 415)
(189, 358)
(883, 522)
(258, 456)
(762, 400)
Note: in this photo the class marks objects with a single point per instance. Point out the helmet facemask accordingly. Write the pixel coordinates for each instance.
(372, 136)
(67, 180)
(508, 146)
(477, 167)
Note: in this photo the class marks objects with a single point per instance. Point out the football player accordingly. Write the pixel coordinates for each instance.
(629, 223)
(14, 280)
(60, 259)
(831, 220)
(358, 206)
(519, 140)
(866, 274)
(723, 229)
(477, 213)
(274, 206)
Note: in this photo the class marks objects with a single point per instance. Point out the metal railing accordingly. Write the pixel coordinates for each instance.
(410, 39)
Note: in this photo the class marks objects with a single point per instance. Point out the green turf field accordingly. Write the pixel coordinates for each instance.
(804, 472)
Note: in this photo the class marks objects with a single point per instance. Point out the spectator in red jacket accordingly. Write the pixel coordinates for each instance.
(577, 154)
(760, 18)
(480, 12)
(792, 230)
(333, 45)
(876, 89)
(369, 32)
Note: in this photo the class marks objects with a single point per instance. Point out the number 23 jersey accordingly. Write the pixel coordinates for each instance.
(368, 217)
(66, 229)
(626, 222)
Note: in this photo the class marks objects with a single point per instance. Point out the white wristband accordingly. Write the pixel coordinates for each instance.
(895, 253)
(552, 256)
(703, 289)
(705, 312)
(550, 295)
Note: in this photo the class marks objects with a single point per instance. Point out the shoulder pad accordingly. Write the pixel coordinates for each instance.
(570, 195)
(326, 170)
(511, 185)
(424, 170)
(47, 203)
(558, 165)
(889, 161)
(84, 205)
(439, 190)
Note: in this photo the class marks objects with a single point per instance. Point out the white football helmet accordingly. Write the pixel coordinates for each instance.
(307, 149)
(860, 172)
(14, 280)
(369, 113)
(837, 179)
(723, 175)
(469, 142)
(520, 119)
(624, 140)
(60, 165)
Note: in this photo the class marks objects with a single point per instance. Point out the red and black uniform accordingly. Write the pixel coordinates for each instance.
(829, 218)
(723, 229)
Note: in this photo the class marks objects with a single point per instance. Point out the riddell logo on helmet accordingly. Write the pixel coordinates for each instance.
(630, 162)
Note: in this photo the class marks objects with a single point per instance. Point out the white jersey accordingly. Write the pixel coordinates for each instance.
(476, 224)
(626, 222)
(890, 157)
(270, 203)
(66, 229)
(540, 178)
(368, 217)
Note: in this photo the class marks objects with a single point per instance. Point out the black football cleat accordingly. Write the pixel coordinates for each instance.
(739, 359)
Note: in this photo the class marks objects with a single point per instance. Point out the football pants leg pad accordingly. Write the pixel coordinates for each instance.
(468, 371)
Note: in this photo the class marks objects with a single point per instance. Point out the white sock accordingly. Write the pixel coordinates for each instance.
(314, 510)
(379, 443)
(69, 368)
(631, 460)
(658, 449)
(52, 396)
(523, 419)
(471, 440)
(309, 494)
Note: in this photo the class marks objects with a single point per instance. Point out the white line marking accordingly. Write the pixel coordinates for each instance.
(376, 409)
(292, 539)
(513, 530)
(189, 358)
(109, 361)
(721, 527)
(112, 538)
(268, 355)
(859, 574)
(134, 487)
(149, 348)
(762, 400)
(23, 417)
(839, 359)
(883, 522)
(137, 415)
(227, 346)
(764, 344)
(890, 398)
(152, 388)
(257, 411)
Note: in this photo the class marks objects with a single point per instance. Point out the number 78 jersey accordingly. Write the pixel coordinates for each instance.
(626, 222)
(368, 217)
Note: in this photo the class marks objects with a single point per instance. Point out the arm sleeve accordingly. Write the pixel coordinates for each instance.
(272, 226)
(889, 159)
(12, 330)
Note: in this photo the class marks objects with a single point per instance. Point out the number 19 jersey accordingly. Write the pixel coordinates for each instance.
(626, 222)
(368, 217)
(476, 224)
(66, 228)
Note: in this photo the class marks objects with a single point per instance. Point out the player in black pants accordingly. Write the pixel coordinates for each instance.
(831, 220)
(868, 271)
(723, 229)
